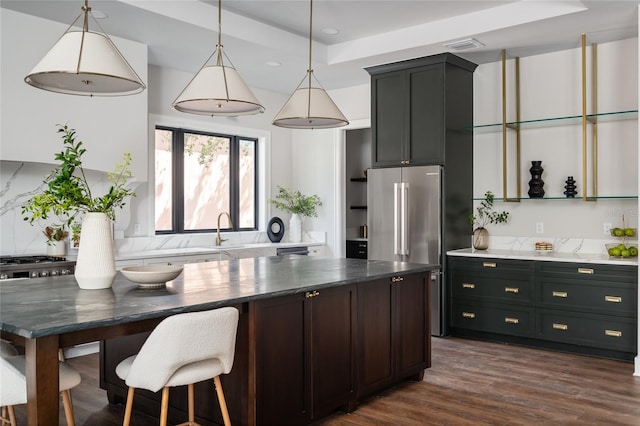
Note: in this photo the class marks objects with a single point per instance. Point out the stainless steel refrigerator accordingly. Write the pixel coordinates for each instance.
(405, 223)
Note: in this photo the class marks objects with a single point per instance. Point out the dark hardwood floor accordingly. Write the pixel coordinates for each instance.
(470, 383)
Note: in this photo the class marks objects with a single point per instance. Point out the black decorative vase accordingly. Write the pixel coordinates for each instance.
(570, 187)
(536, 184)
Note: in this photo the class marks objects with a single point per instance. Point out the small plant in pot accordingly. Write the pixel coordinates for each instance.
(68, 194)
(298, 205)
(56, 235)
(484, 216)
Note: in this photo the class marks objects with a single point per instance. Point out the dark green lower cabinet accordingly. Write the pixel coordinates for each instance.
(584, 308)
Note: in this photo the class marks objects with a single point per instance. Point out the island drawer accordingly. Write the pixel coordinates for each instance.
(600, 331)
(506, 287)
(517, 321)
(614, 298)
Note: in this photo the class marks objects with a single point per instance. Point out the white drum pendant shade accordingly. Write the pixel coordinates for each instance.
(89, 67)
(207, 94)
(319, 112)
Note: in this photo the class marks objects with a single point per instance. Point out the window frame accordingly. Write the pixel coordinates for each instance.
(177, 181)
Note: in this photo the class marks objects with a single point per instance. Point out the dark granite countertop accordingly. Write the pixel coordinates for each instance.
(48, 306)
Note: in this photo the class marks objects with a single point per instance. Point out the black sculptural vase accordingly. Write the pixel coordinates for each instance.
(536, 184)
(570, 187)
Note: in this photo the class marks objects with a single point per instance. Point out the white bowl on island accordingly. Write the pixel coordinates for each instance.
(151, 276)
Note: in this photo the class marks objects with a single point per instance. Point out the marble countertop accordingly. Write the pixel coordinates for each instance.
(547, 256)
(49, 306)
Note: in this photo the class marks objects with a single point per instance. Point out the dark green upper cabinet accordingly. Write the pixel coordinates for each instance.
(418, 107)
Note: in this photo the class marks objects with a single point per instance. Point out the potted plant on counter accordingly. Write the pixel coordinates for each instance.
(68, 194)
(298, 205)
(484, 216)
(56, 234)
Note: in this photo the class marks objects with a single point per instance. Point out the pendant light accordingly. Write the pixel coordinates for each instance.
(217, 89)
(85, 63)
(310, 107)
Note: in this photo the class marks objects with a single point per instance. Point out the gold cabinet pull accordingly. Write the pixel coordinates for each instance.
(510, 320)
(585, 271)
(397, 279)
(557, 326)
(511, 290)
(311, 294)
(613, 333)
(468, 285)
(613, 299)
(489, 264)
(468, 315)
(559, 294)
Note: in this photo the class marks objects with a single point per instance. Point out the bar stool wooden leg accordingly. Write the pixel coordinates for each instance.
(164, 410)
(221, 400)
(129, 407)
(192, 416)
(68, 407)
(12, 415)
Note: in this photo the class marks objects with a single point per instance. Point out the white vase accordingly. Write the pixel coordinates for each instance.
(56, 248)
(96, 265)
(295, 228)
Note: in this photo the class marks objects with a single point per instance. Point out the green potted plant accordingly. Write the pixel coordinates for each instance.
(298, 205)
(484, 216)
(56, 235)
(67, 194)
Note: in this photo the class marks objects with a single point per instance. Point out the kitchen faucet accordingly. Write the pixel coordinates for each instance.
(218, 239)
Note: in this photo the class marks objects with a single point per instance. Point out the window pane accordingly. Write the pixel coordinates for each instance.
(163, 179)
(206, 181)
(247, 183)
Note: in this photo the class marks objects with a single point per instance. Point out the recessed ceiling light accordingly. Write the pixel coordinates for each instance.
(273, 63)
(98, 14)
(330, 31)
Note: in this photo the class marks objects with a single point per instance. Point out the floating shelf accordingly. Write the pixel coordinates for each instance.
(358, 207)
(360, 179)
(600, 197)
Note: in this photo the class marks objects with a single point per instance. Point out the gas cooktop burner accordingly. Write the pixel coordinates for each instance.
(26, 260)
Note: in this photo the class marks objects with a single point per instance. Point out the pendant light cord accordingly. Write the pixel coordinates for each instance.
(310, 70)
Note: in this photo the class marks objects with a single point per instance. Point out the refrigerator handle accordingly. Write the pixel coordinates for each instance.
(404, 219)
(396, 218)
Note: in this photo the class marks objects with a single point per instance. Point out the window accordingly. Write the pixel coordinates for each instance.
(200, 175)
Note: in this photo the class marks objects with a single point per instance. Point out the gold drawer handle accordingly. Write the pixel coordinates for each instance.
(557, 326)
(614, 299)
(585, 271)
(613, 333)
(489, 264)
(509, 320)
(468, 315)
(468, 285)
(511, 290)
(559, 294)
(397, 279)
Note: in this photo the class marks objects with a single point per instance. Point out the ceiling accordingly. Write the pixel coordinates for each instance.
(181, 34)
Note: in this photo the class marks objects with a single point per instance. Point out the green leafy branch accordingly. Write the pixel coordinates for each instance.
(67, 193)
(295, 202)
(485, 214)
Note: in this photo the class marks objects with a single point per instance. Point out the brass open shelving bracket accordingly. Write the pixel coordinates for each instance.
(514, 127)
(592, 119)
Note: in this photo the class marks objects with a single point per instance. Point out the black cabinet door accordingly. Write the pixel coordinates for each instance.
(356, 249)
(425, 142)
(389, 118)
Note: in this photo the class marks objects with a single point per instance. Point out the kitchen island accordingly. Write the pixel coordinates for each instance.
(315, 334)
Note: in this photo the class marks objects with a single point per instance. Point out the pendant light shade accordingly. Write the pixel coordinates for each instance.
(217, 88)
(310, 106)
(85, 63)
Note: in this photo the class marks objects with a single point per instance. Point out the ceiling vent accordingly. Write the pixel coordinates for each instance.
(468, 43)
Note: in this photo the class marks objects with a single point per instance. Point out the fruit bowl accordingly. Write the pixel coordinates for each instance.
(621, 250)
(151, 276)
(623, 232)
